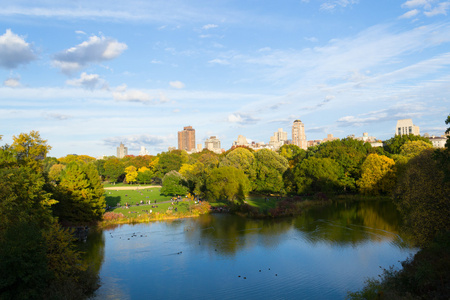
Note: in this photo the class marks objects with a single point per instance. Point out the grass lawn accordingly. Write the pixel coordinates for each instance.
(118, 184)
(261, 202)
(182, 207)
(113, 197)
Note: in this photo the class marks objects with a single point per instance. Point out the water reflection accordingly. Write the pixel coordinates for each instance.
(351, 223)
(319, 255)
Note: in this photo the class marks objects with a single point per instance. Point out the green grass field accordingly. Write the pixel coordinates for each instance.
(261, 202)
(113, 197)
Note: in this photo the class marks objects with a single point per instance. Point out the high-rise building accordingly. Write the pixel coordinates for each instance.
(405, 127)
(278, 139)
(143, 151)
(213, 144)
(122, 151)
(186, 139)
(298, 134)
(241, 141)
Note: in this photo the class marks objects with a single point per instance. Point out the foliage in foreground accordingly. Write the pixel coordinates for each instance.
(37, 256)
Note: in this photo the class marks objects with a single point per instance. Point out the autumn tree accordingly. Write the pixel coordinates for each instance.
(55, 172)
(76, 158)
(131, 174)
(145, 175)
(377, 175)
(30, 149)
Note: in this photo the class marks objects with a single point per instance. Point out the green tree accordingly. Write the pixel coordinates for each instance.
(422, 196)
(114, 169)
(349, 154)
(170, 161)
(269, 169)
(377, 175)
(80, 194)
(243, 159)
(145, 175)
(316, 174)
(173, 183)
(227, 183)
(131, 174)
(394, 144)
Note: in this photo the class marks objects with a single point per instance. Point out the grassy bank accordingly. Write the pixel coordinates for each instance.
(132, 197)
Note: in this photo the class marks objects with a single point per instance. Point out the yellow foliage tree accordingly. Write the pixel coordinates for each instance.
(131, 174)
(377, 175)
(31, 149)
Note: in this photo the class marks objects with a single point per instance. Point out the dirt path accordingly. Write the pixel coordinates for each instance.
(132, 187)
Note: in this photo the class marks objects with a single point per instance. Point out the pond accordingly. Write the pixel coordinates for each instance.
(319, 255)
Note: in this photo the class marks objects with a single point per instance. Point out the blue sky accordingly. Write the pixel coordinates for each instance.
(91, 74)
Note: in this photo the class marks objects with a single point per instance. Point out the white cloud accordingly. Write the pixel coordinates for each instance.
(416, 3)
(80, 32)
(241, 118)
(87, 81)
(95, 50)
(56, 116)
(219, 61)
(330, 5)
(132, 96)
(12, 82)
(441, 9)
(122, 94)
(410, 14)
(134, 142)
(177, 84)
(14, 51)
(311, 39)
(210, 26)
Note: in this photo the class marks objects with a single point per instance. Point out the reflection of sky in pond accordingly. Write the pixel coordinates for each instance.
(315, 257)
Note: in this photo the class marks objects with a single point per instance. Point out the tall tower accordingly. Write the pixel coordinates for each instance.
(122, 151)
(405, 127)
(186, 139)
(298, 135)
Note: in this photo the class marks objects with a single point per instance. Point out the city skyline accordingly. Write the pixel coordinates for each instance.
(89, 75)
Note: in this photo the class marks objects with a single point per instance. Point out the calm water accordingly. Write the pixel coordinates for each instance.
(320, 255)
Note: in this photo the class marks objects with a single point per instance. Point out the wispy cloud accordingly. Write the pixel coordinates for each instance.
(56, 116)
(95, 50)
(241, 118)
(209, 26)
(331, 5)
(12, 82)
(134, 142)
(14, 50)
(88, 81)
(177, 84)
(410, 14)
(122, 94)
